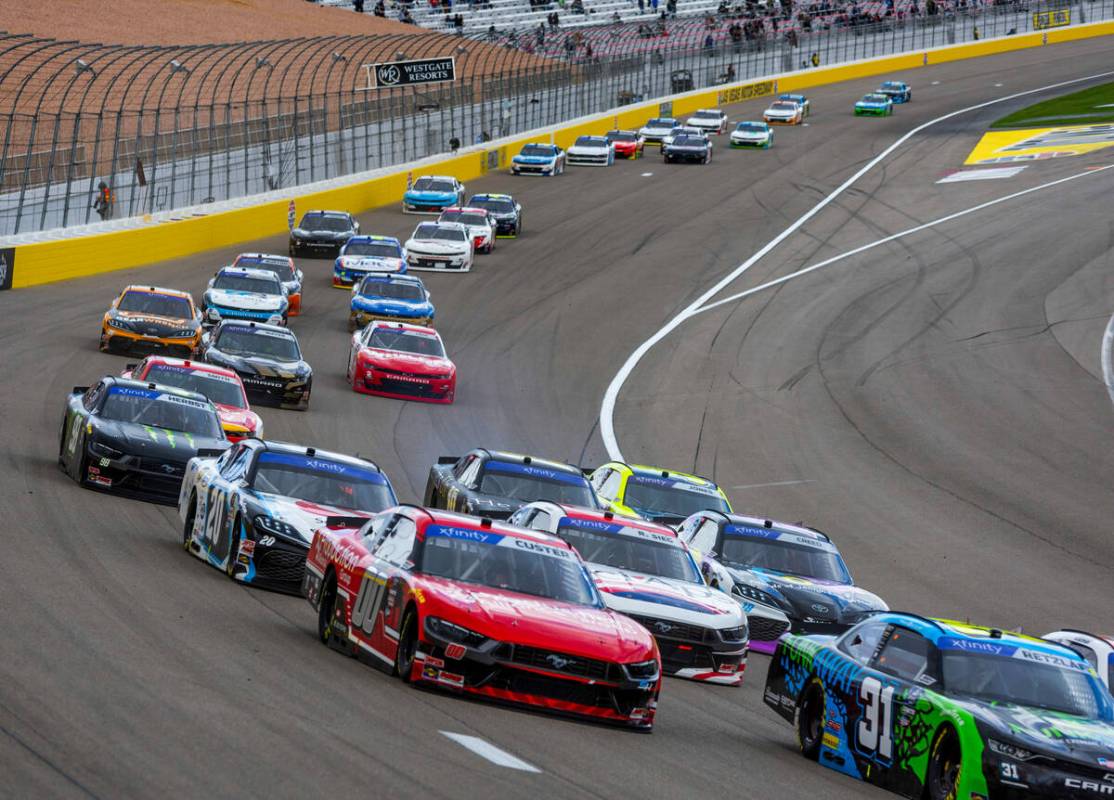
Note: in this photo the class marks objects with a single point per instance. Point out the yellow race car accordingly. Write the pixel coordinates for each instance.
(147, 319)
(661, 495)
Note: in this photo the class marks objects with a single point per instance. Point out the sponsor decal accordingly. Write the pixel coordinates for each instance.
(544, 549)
(1101, 789)
(247, 547)
(830, 740)
(451, 678)
(407, 73)
(455, 651)
(1051, 19)
(100, 480)
(1003, 147)
(639, 713)
(467, 534)
(435, 662)
(534, 471)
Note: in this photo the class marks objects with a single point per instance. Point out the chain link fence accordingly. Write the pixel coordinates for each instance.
(96, 132)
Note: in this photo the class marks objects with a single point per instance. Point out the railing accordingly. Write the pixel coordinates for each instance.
(162, 128)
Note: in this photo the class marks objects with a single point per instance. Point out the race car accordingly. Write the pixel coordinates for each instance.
(395, 298)
(134, 438)
(147, 319)
(364, 255)
(432, 194)
(284, 269)
(538, 158)
(407, 362)
(752, 134)
(656, 129)
(876, 105)
(644, 571)
(661, 495)
(478, 221)
(322, 232)
(440, 246)
(689, 148)
(943, 710)
(627, 144)
(266, 357)
(495, 483)
(504, 209)
(253, 511)
(238, 293)
(591, 151)
(480, 608)
(679, 130)
(708, 120)
(897, 91)
(221, 386)
(799, 99)
(784, 112)
(1098, 650)
(783, 568)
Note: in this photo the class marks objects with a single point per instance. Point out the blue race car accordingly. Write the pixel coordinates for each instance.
(432, 194)
(395, 298)
(539, 159)
(363, 255)
(897, 91)
(876, 105)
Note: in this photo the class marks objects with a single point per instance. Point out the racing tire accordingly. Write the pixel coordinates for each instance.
(945, 767)
(187, 526)
(232, 550)
(407, 645)
(62, 447)
(810, 720)
(327, 614)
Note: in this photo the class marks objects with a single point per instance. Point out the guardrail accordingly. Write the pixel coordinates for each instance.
(95, 132)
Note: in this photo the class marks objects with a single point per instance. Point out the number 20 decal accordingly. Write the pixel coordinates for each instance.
(875, 726)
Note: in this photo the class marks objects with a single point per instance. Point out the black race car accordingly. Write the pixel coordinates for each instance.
(506, 211)
(688, 147)
(135, 438)
(322, 233)
(267, 359)
(492, 483)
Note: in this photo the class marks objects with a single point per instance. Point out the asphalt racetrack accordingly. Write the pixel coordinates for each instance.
(936, 404)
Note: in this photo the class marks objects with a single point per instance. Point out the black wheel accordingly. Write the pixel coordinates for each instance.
(945, 765)
(62, 447)
(407, 645)
(187, 526)
(232, 550)
(327, 610)
(810, 720)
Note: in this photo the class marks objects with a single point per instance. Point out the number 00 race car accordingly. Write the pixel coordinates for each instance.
(947, 711)
(481, 608)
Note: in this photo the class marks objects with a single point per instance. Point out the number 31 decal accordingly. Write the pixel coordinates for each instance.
(876, 723)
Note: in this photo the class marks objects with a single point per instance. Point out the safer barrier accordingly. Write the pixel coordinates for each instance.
(35, 263)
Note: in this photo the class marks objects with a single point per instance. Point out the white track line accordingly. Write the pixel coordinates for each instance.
(1107, 357)
(786, 278)
(489, 751)
(611, 395)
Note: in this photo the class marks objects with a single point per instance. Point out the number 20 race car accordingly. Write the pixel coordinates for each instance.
(482, 608)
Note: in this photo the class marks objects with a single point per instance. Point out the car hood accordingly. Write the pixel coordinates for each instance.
(694, 148)
(257, 365)
(237, 416)
(812, 598)
(649, 595)
(438, 247)
(871, 104)
(535, 159)
(380, 305)
(249, 300)
(370, 263)
(588, 151)
(430, 196)
(538, 622)
(1077, 739)
(303, 515)
(749, 134)
(407, 362)
(303, 232)
(777, 112)
(148, 441)
(148, 319)
(654, 131)
(703, 123)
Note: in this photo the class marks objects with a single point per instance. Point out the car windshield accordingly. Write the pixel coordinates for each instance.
(626, 547)
(500, 205)
(406, 341)
(279, 266)
(751, 127)
(529, 482)
(784, 552)
(244, 283)
(432, 231)
(154, 409)
(322, 481)
(784, 106)
(875, 98)
(463, 217)
(591, 141)
(157, 305)
(891, 85)
(378, 249)
(621, 136)
(221, 389)
(688, 141)
(433, 185)
(240, 341)
(506, 562)
(545, 151)
(661, 123)
(706, 115)
(325, 222)
(395, 290)
(668, 497)
(1031, 678)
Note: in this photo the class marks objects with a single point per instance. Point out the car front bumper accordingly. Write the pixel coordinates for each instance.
(115, 340)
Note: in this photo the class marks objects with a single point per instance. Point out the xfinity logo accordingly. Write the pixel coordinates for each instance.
(325, 466)
(979, 647)
(560, 662)
(1103, 788)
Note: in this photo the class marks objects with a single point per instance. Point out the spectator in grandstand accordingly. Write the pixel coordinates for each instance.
(458, 23)
(641, 6)
(578, 6)
(539, 34)
(404, 16)
(454, 144)
(670, 7)
(358, 6)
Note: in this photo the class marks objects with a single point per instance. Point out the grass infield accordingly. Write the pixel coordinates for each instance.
(1078, 108)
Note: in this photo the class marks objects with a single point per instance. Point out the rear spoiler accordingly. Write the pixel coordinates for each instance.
(345, 522)
(209, 452)
(448, 459)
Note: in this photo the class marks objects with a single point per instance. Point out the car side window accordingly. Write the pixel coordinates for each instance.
(523, 517)
(374, 529)
(397, 545)
(704, 538)
(541, 521)
(862, 641)
(610, 486)
(236, 465)
(462, 465)
(93, 396)
(906, 655)
(469, 476)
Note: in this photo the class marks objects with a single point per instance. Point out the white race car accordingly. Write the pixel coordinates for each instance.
(441, 246)
(591, 151)
(479, 222)
(799, 99)
(784, 112)
(242, 293)
(678, 130)
(752, 134)
(709, 120)
(1099, 650)
(656, 129)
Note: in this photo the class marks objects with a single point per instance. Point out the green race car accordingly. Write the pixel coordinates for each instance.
(877, 105)
(947, 711)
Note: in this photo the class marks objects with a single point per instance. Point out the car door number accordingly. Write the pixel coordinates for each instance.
(75, 426)
(875, 724)
(369, 600)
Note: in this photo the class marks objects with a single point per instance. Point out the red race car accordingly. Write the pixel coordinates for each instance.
(393, 359)
(222, 386)
(481, 608)
(628, 144)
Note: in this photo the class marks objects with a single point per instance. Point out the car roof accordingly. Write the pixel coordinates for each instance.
(326, 213)
(603, 515)
(316, 452)
(393, 277)
(491, 196)
(622, 130)
(196, 366)
(471, 209)
(784, 527)
(366, 238)
(708, 111)
(662, 472)
(440, 224)
(936, 629)
(437, 516)
(404, 326)
(519, 458)
(247, 272)
(246, 323)
(156, 290)
(265, 256)
(131, 383)
(436, 177)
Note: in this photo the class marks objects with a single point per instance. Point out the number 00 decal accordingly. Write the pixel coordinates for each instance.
(875, 725)
(368, 602)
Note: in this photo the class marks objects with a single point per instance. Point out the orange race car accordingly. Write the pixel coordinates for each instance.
(147, 319)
